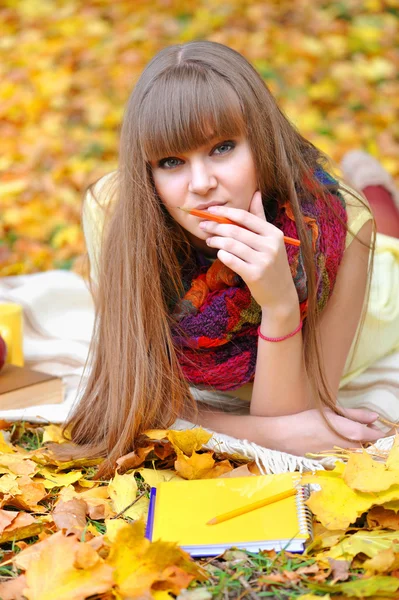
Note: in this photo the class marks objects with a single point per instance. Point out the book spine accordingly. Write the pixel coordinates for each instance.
(151, 510)
(304, 514)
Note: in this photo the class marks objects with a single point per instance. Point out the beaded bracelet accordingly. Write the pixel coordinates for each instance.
(280, 339)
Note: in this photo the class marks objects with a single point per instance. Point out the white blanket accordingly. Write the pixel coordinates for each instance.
(58, 324)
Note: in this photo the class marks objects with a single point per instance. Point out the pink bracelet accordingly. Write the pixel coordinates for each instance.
(284, 337)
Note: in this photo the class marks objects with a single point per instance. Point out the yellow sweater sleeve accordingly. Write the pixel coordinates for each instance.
(357, 209)
(94, 215)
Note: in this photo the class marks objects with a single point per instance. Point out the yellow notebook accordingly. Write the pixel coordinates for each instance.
(179, 511)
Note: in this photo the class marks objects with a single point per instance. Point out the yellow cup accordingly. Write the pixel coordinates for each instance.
(11, 330)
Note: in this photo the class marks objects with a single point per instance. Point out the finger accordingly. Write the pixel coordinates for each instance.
(234, 247)
(256, 206)
(234, 263)
(362, 415)
(260, 243)
(369, 434)
(244, 218)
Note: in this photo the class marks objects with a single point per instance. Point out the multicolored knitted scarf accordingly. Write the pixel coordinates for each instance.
(215, 335)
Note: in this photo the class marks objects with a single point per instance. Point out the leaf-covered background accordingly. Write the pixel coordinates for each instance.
(67, 68)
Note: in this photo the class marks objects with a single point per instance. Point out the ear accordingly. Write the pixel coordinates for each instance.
(256, 206)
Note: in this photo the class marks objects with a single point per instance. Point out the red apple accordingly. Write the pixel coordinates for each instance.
(3, 352)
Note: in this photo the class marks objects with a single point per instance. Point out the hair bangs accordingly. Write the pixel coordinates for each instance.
(185, 109)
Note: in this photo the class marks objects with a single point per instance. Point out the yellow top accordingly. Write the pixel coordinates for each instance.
(380, 334)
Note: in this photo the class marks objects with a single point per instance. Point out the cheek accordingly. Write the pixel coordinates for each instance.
(170, 190)
(243, 178)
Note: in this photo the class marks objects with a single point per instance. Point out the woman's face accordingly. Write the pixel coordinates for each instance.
(220, 173)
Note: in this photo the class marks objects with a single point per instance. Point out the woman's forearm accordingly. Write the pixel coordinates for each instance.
(261, 430)
(281, 385)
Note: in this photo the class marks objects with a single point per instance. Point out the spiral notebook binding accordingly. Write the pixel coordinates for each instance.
(304, 513)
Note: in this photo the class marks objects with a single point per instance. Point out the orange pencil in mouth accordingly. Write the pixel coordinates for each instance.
(218, 219)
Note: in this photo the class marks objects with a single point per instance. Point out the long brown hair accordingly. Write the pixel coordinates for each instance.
(135, 380)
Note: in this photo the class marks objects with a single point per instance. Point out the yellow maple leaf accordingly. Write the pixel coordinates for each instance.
(367, 475)
(53, 433)
(365, 542)
(336, 505)
(139, 564)
(154, 476)
(190, 440)
(54, 570)
(196, 466)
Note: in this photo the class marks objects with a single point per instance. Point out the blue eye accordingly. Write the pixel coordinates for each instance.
(228, 145)
(163, 163)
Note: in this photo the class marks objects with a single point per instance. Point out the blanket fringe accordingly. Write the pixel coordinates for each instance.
(273, 461)
(268, 461)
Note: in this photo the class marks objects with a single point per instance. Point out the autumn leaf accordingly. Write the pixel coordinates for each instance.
(22, 525)
(337, 505)
(61, 569)
(188, 441)
(362, 588)
(123, 491)
(140, 564)
(367, 475)
(365, 542)
(384, 562)
(155, 476)
(70, 516)
(13, 588)
(196, 466)
(133, 459)
(380, 516)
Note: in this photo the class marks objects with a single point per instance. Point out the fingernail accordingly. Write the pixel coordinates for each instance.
(213, 209)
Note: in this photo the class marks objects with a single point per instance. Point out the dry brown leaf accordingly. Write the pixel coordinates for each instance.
(133, 459)
(340, 569)
(70, 516)
(378, 516)
(13, 588)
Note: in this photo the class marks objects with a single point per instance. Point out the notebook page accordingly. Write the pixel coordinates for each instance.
(184, 507)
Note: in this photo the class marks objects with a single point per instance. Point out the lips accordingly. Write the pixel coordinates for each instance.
(206, 206)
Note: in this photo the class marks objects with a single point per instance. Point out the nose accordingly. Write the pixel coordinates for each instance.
(201, 179)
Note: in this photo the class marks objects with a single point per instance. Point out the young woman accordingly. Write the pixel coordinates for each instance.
(204, 320)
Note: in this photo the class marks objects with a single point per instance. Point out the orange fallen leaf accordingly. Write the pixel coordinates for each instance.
(22, 526)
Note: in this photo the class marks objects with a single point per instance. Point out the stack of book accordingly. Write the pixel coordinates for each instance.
(21, 387)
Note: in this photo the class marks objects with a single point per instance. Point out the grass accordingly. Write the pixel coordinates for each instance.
(238, 575)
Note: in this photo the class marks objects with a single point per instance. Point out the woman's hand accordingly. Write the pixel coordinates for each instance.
(308, 432)
(256, 253)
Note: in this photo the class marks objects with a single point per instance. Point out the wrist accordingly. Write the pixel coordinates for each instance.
(280, 321)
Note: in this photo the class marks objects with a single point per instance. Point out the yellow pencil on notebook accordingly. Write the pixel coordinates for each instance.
(253, 506)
